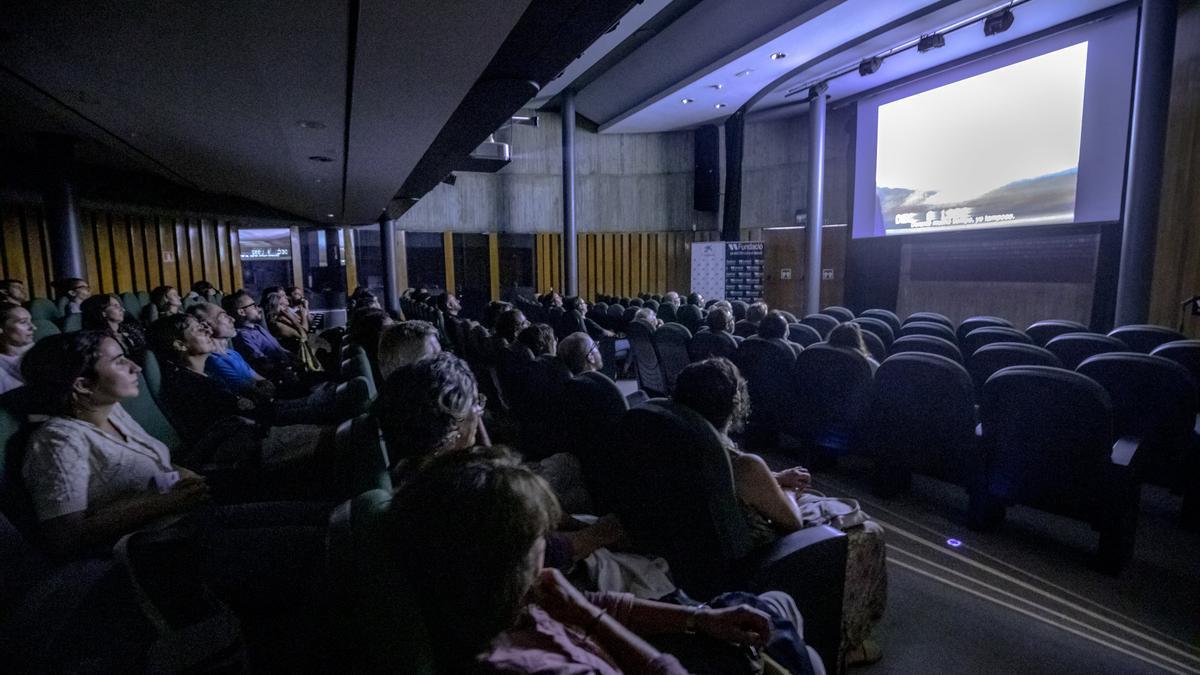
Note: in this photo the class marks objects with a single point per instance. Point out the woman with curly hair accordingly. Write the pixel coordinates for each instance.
(771, 501)
(105, 312)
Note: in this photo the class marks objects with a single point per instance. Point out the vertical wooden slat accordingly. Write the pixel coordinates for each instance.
(137, 252)
(585, 290)
(643, 263)
(182, 257)
(225, 261)
(149, 236)
(609, 286)
(196, 249)
(38, 282)
(104, 254)
(14, 255)
(351, 256)
(539, 255)
(166, 252)
(122, 263)
(556, 276)
(235, 246)
(206, 235)
(448, 256)
(494, 264)
(593, 264)
(660, 262)
(297, 259)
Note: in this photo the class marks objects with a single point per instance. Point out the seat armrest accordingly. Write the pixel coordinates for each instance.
(809, 565)
(1196, 426)
(1124, 450)
(352, 398)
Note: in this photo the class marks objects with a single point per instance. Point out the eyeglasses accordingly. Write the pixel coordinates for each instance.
(253, 304)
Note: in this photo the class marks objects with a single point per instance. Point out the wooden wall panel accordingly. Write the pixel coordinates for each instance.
(208, 251)
(235, 264)
(122, 262)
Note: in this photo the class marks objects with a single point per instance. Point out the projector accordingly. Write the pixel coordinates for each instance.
(998, 22)
(931, 41)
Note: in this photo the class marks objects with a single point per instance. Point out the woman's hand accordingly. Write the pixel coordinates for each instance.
(795, 478)
(187, 494)
(562, 601)
(741, 625)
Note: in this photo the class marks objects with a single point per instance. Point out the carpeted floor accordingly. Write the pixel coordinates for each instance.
(1022, 599)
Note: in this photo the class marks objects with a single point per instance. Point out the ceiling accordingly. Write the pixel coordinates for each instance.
(318, 109)
(715, 40)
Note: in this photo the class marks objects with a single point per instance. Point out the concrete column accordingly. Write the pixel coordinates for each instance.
(1143, 176)
(816, 187)
(387, 247)
(62, 211)
(569, 253)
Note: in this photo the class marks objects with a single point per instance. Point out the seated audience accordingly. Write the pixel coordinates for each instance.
(576, 319)
(16, 337)
(580, 353)
(299, 304)
(775, 327)
(493, 311)
(13, 291)
(290, 327)
(754, 316)
(106, 313)
(205, 291)
(671, 298)
(254, 342)
(539, 339)
(164, 301)
(218, 426)
(550, 299)
(695, 299)
(361, 298)
(510, 323)
(448, 303)
(772, 502)
(515, 615)
(405, 343)
(848, 335)
(364, 329)
(648, 315)
(75, 291)
(719, 321)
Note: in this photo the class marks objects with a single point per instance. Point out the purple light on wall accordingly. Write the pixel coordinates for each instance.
(953, 543)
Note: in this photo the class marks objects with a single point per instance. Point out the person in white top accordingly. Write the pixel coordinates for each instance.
(16, 337)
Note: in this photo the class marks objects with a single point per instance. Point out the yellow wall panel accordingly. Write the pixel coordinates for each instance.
(123, 270)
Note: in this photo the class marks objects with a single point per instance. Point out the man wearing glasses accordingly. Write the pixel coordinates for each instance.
(75, 290)
(254, 342)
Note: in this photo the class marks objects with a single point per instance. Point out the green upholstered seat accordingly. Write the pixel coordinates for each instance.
(146, 412)
(152, 372)
(71, 323)
(143, 298)
(133, 306)
(362, 459)
(41, 308)
(44, 327)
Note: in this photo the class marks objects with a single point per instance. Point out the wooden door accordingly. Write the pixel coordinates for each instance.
(783, 269)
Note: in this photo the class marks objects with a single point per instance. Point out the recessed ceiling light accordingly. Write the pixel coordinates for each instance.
(310, 124)
(320, 180)
(719, 106)
(718, 86)
(744, 72)
(687, 100)
(778, 55)
(329, 214)
(320, 158)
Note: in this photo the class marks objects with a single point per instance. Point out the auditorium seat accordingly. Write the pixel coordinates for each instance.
(1154, 400)
(143, 298)
(1144, 337)
(1184, 352)
(362, 461)
(1073, 348)
(43, 328)
(879, 327)
(803, 335)
(842, 314)
(691, 317)
(988, 335)
(358, 365)
(676, 499)
(767, 366)
(933, 328)
(835, 388)
(377, 619)
(922, 420)
(875, 346)
(133, 306)
(791, 318)
(41, 308)
(991, 358)
(1047, 434)
(707, 344)
(71, 322)
(971, 323)
(928, 344)
(630, 313)
(931, 317)
(671, 341)
(144, 409)
(666, 312)
(1045, 331)
(352, 397)
(592, 410)
(885, 316)
(822, 323)
(739, 309)
(616, 317)
(650, 374)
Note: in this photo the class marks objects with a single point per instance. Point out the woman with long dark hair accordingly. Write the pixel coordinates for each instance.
(105, 312)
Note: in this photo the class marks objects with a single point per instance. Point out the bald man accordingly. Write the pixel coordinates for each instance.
(580, 353)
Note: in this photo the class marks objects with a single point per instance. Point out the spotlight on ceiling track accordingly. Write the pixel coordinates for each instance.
(931, 41)
(998, 22)
(869, 66)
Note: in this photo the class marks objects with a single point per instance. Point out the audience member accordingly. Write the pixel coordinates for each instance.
(754, 316)
(287, 325)
(105, 312)
(550, 299)
(848, 335)
(16, 337)
(695, 299)
(205, 291)
(492, 313)
(13, 291)
(75, 290)
(539, 339)
(361, 298)
(364, 330)
(577, 320)
(164, 301)
(254, 342)
(719, 321)
(514, 614)
(772, 503)
(449, 304)
(648, 315)
(580, 353)
(671, 298)
(405, 343)
(510, 323)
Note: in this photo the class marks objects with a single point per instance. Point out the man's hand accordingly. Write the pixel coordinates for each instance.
(795, 478)
(741, 625)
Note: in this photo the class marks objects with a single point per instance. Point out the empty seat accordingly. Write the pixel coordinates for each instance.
(835, 388)
(650, 376)
(1154, 400)
(932, 317)
(971, 323)
(1184, 352)
(928, 344)
(928, 328)
(822, 323)
(840, 313)
(707, 344)
(803, 335)
(1047, 435)
(690, 316)
(592, 409)
(989, 334)
(922, 420)
(879, 327)
(362, 460)
(144, 409)
(1073, 348)
(671, 341)
(666, 312)
(767, 366)
(43, 328)
(1144, 337)
(885, 316)
(676, 498)
(41, 308)
(992, 358)
(791, 318)
(1045, 331)
(71, 322)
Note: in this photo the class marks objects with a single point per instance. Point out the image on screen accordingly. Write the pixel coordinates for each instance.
(995, 150)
